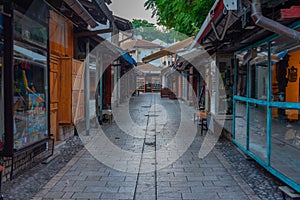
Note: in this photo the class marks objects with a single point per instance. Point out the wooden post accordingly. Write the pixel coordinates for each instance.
(8, 81)
(115, 93)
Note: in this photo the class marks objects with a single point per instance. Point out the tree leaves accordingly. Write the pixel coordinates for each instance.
(185, 16)
(150, 32)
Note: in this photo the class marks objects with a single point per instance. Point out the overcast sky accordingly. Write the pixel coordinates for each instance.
(131, 9)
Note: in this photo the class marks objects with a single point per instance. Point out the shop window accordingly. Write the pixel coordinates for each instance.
(30, 81)
(241, 123)
(285, 54)
(258, 73)
(156, 83)
(28, 30)
(140, 82)
(225, 87)
(30, 98)
(258, 130)
(285, 145)
(241, 76)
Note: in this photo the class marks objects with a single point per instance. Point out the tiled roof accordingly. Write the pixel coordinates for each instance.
(144, 43)
(147, 67)
(133, 44)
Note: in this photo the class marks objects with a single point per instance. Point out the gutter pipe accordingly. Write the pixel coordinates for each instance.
(270, 24)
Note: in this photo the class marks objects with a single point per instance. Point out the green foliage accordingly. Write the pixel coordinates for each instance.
(185, 16)
(137, 23)
(151, 32)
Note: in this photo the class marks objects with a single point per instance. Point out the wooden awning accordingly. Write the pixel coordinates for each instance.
(176, 48)
(82, 12)
(123, 24)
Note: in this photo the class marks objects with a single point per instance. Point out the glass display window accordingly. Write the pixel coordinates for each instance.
(266, 120)
(258, 73)
(285, 147)
(240, 124)
(225, 85)
(285, 55)
(28, 30)
(258, 130)
(140, 83)
(30, 95)
(241, 82)
(285, 71)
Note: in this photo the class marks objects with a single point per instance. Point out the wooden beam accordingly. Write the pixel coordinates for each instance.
(91, 33)
(290, 13)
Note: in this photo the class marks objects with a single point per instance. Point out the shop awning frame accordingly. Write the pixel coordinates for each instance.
(176, 48)
(82, 12)
(217, 9)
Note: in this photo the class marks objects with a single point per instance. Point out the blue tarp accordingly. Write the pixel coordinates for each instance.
(127, 57)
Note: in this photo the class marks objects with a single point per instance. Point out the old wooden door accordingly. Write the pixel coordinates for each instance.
(54, 98)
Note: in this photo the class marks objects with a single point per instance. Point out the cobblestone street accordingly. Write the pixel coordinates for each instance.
(223, 174)
(151, 99)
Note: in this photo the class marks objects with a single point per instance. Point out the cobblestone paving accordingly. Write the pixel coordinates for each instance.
(263, 183)
(223, 174)
(29, 183)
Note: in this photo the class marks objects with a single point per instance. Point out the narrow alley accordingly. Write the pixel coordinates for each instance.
(151, 99)
(140, 177)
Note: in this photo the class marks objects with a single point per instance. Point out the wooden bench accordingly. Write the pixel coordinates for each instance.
(288, 192)
(202, 115)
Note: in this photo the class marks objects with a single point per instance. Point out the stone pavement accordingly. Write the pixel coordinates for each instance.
(28, 183)
(146, 173)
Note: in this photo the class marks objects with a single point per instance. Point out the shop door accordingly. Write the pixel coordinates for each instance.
(65, 91)
(54, 82)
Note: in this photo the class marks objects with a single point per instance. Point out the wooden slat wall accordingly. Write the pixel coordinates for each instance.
(65, 101)
(61, 36)
(54, 85)
(61, 54)
(77, 91)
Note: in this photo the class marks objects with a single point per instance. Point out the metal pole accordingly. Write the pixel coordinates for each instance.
(248, 106)
(269, 108)
(100, 59)
(87, 88)
(234, 94)
(118, 83)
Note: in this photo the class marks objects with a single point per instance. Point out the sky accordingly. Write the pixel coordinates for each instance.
(131, 9)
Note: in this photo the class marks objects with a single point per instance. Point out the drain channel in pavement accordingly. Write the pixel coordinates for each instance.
(148, 106)
(151, 115)
(147, 173)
